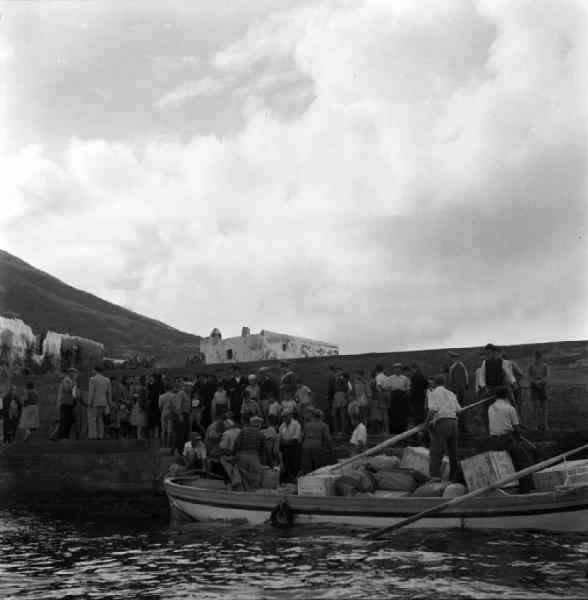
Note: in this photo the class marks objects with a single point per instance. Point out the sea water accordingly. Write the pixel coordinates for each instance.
(43, 558)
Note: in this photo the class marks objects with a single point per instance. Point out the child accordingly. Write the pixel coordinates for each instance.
(359, 435)
(289, 405)
(303, 394)
(220, 401)
(274, 408)
(361, 390)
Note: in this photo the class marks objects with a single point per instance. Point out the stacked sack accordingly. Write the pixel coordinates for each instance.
(381, 473)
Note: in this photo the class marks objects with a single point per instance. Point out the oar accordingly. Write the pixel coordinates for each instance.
(488, 488)
(477, 403)
(533, 446)
(396, 438)
(384, 444)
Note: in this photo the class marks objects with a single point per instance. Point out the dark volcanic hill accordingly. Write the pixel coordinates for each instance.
(45, 303)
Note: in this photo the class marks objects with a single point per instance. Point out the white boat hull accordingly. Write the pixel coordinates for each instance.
(544, 511)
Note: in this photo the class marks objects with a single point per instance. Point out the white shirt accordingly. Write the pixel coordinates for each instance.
(444, 403)
(502, 417)
(359, 435)
(382, 382)
(290, 431)
(399, 382)
(194, 452)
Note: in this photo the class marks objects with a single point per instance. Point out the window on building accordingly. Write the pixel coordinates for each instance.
(284, 347)
(229, 354)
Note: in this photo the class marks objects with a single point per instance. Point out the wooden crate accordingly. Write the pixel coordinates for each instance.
(571, 471)
(417, 458)
(486, 468)
(317, 485)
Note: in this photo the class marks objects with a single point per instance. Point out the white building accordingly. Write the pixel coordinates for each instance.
(265, 345)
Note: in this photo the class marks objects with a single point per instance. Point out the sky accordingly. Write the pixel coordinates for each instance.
(384, 175)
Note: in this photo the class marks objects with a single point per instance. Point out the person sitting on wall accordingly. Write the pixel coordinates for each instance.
(194, 453)
(359, 435)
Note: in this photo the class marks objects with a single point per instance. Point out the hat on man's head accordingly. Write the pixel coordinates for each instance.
(263, 370)
(235, 368)
(491, 347)
(195, 435)
(255, 419)
(188, 383)
(72, 370)
(453, 353)
(400, 365)
(284, 363)
(252, 377)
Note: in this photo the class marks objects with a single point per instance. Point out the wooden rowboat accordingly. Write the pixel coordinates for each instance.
(565, 509)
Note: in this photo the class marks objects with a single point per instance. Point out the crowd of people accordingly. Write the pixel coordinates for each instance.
(217, 422)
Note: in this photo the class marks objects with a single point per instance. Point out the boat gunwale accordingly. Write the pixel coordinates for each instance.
(536, 503)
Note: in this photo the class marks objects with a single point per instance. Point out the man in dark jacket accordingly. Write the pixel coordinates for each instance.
(235, 388)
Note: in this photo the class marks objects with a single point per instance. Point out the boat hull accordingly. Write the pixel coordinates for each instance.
(202, 500)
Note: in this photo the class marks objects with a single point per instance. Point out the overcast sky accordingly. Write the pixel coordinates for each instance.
(384, 175)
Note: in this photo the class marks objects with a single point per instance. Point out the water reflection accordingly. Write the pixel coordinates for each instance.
(44, 558)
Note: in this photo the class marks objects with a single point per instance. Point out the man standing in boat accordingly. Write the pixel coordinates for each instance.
(442, 415)
(504, 425)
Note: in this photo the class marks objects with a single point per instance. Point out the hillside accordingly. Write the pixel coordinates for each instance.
(46, 303)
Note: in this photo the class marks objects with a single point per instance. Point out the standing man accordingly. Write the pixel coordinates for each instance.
(400, 409)
(418, 393)
(515, 374)
(65, 401)
(268, 389)
(181, 407)
(235, 388)
(504, 435)
(290, 437)
(457, 382)
(443, 411)
(538, 374)
(99, 397)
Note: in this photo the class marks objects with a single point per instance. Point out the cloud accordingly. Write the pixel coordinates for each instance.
(430, 190)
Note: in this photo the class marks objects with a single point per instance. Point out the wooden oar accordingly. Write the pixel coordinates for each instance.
(492, 486)
(384, 444)
(395, 439)
(533, 446)
(477, 403)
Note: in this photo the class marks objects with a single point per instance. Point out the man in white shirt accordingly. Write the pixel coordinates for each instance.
(359, 435)
(503, 422)
(290, 436)
(443, 410)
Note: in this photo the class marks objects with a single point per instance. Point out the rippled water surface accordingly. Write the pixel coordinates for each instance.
(48, 558)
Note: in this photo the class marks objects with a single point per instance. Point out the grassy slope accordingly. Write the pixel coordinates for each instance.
(46, 303)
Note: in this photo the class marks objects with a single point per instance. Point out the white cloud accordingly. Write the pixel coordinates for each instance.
(431, 192)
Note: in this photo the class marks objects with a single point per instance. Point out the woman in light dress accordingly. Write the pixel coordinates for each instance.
(29, 417)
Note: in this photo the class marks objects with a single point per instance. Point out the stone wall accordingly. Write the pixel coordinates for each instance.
(86, 468)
